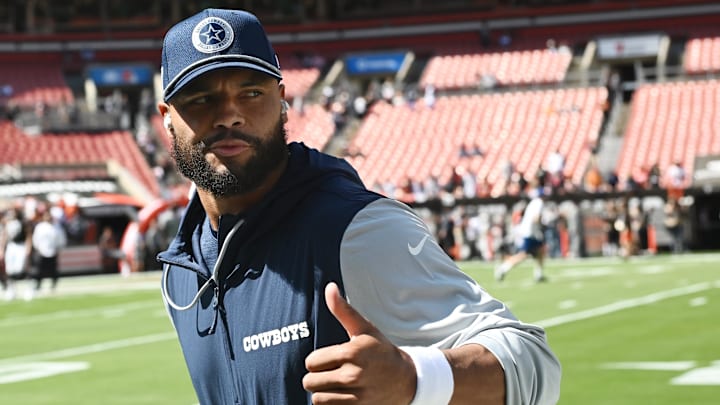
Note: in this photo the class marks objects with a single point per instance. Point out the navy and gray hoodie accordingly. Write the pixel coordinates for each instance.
(246, 340)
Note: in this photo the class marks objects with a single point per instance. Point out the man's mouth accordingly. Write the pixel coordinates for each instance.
(228, 147)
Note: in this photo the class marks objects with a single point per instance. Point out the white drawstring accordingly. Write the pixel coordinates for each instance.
(213, 277)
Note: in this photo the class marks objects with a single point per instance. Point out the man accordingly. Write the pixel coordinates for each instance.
(15, 250)
(277, 237)
(48, 237)
(530, 241)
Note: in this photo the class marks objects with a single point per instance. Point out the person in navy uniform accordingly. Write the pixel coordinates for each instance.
(289, 282)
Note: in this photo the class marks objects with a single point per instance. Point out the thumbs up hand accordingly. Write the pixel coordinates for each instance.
(368, 369)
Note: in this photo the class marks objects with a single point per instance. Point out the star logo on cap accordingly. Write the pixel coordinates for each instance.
(212, 35)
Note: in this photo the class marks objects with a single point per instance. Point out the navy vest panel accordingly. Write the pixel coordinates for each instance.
(270, 312)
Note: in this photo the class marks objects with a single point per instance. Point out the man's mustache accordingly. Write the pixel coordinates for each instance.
(229, 134)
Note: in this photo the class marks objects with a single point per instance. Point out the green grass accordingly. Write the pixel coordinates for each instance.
(597, 312)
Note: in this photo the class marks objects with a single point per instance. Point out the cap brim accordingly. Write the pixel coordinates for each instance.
(173, 88)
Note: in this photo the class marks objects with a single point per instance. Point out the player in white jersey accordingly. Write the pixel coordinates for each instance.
(530, 240)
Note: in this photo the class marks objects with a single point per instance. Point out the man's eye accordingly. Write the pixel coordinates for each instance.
(254, 93)
(199, 100)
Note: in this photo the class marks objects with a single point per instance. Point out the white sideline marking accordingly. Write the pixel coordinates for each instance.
(694, 375)
(624, 304)
(59, 315)
(94, 348)
(652, 365)
(559, 320)
(700, 376)
(12, 373)
(567, 304)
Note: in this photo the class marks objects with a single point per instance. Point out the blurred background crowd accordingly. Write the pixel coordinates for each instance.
(458, 108)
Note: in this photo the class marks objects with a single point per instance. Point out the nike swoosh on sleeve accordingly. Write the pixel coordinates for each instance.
(415, 250)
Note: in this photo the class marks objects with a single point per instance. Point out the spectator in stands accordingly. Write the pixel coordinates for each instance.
(593, 179)
(483, 186)
(654, 177)
(431, 185)
(541, 176)
(555, 166)
(470, 151)
(530, 239)
(518, 184)
(505, 39)
(429, 96)
(612, 180)
(277, 236)
(417, 190)
(360, 106)
(387, 90)
(675, 182)
(631, 184)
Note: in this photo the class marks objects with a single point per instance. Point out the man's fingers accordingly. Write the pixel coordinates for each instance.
(354, 323)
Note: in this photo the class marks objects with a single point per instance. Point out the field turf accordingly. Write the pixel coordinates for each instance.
(642, 331)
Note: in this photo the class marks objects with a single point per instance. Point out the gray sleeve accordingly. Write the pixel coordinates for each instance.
(398, 277)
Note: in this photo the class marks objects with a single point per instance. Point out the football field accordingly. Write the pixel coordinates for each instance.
(642, 331)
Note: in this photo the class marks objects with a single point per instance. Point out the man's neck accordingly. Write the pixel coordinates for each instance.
(237, 204)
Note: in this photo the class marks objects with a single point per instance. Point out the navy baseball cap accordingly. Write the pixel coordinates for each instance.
(214, 39)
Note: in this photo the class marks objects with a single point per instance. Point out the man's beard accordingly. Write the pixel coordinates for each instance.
(238, 179)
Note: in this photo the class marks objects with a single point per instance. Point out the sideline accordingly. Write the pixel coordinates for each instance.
(546, 323)
(626, 304)
(25, 319)
(93, 348)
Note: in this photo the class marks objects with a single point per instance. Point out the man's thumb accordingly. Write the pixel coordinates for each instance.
(354, 323)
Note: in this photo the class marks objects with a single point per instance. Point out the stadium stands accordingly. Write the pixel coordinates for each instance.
(517, 102)
(75, 149)
(522, 127)
(27, 84)
(702, 55)
(511, 68)
(313, 126)
(299, 81)
(671, 122)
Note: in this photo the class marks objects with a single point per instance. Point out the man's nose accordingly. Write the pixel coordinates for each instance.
(230, 115)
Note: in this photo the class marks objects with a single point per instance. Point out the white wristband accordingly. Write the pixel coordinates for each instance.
(435, 382)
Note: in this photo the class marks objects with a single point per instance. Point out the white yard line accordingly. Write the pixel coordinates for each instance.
(60, 315)
(93, 348)
(626, 304)
(554, 321)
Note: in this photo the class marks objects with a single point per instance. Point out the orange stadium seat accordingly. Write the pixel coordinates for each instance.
(510, 68)
(523, 127)
(33, 83)
(671, 122)
(77, 148)
(702, 55)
